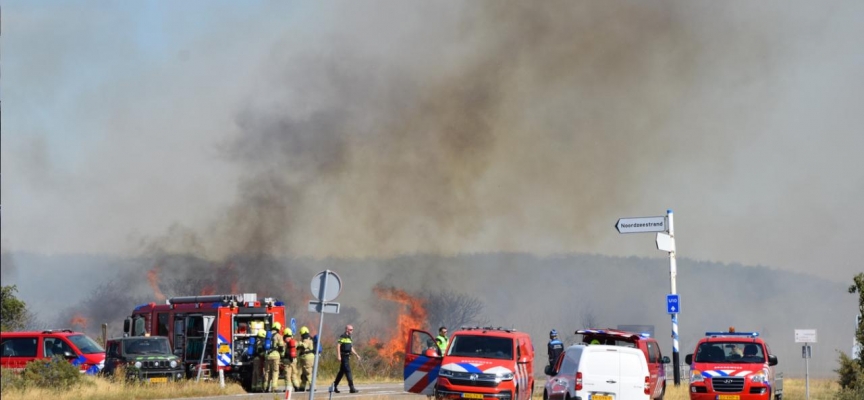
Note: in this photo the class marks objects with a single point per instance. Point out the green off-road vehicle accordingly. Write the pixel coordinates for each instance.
(144, 358)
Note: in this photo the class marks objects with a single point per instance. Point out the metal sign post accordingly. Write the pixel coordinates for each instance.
(665, 242)
(208, 321)
(326, 286)
(806, 336)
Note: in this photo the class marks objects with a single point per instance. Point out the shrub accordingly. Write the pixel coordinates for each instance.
(55, 374)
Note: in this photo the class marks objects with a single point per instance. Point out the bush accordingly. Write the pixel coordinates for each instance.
(54, 374)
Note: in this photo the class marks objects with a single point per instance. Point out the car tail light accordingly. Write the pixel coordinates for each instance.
(578, 381)
(647, 391)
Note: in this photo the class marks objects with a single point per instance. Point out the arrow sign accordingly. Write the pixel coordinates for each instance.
(673, 305)
(641, 224)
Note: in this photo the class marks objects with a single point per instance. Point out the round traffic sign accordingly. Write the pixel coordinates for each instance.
(334, 286)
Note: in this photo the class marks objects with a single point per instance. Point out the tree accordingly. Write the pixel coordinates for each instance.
(14, 315)
(858, 287)
(851, 372)
(451, 309)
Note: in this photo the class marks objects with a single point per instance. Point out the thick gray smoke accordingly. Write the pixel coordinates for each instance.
(394, 138)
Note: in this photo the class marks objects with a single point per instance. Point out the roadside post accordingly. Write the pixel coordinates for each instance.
(665, 240)
(208, 321)
(326, 286)
(806, 336)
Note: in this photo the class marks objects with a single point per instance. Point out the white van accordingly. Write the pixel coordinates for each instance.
(598, 372)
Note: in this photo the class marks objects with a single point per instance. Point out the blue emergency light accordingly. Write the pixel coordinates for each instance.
(753, 334)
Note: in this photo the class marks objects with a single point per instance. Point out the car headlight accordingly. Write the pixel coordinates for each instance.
(759, 377)
(503, 376)
(173, 363)
(696, 376)
(137, 364)
(445, 373)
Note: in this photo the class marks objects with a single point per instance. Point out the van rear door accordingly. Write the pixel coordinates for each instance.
(421, 368)
(600, 368)
(633, 371)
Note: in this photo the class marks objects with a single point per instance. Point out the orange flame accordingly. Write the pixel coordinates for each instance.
(153, 278)
(78, 322)
(412, 315)
(208, 290)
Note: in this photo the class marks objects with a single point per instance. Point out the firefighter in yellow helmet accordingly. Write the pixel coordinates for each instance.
(289, 359)
(306, 357)
(272, 357)
(258, 360)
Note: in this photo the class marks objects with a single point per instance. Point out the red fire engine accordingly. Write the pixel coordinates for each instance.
(237, 318)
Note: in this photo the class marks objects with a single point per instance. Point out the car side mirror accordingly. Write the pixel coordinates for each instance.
(665, 360)
(549, 370)
(687, 359)
(127, 324)
(69, 354)
(772, 360)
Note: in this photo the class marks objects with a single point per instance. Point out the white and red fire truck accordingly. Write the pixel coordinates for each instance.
(236, 320)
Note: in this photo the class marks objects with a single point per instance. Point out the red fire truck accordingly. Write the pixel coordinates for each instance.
(236, 320)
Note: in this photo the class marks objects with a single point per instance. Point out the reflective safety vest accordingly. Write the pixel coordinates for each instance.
(441, 341)
(345, 344)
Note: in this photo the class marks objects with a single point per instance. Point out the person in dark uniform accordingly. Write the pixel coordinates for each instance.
(343, 355)
(555, 347)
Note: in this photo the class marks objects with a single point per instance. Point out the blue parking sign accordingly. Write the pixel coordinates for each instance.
(673, 304)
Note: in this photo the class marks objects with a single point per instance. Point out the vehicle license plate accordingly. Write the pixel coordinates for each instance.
(601, 397)
(728, 397)
(224, 348)
(159, 379)
(472, 396)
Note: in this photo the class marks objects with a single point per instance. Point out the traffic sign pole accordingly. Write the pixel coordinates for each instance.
(665, 242)
(322, 297)
(673, 274)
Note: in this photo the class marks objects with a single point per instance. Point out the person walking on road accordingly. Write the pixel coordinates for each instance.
(346, 348)
(555, 347)
(306, 358)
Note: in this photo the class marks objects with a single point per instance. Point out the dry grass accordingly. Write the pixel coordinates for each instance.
(104, 389)
(793, 389)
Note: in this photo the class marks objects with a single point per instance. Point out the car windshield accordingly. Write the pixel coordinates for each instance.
(482, 347)
(731, 352)
(85, 344)
(146, 346)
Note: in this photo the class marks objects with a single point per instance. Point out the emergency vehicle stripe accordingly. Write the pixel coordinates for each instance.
(716, 373)
(421, 373)
(224, 359)
(469, 368)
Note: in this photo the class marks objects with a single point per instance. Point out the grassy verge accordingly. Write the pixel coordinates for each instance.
(97, 388)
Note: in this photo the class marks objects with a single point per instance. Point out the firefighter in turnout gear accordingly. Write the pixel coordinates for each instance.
(289, 359)
(346, 348)
(258, 361)
(273, 356)
(554, 348)
(441, 340)
(306, 357)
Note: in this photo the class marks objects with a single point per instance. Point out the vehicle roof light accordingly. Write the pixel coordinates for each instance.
(752, 334)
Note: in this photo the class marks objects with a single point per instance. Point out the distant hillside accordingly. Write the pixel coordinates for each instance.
(530, 293)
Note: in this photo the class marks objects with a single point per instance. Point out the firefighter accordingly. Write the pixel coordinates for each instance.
(555, 347)
(441, 340)
(289, 359)
(272, 357)
(306, 357)
(257, 361)
(346, 348)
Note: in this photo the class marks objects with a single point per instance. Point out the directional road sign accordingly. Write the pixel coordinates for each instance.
(805, 336)
(673, 304)
(641, 224)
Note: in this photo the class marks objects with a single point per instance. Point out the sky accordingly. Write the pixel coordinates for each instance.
(381, 128)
